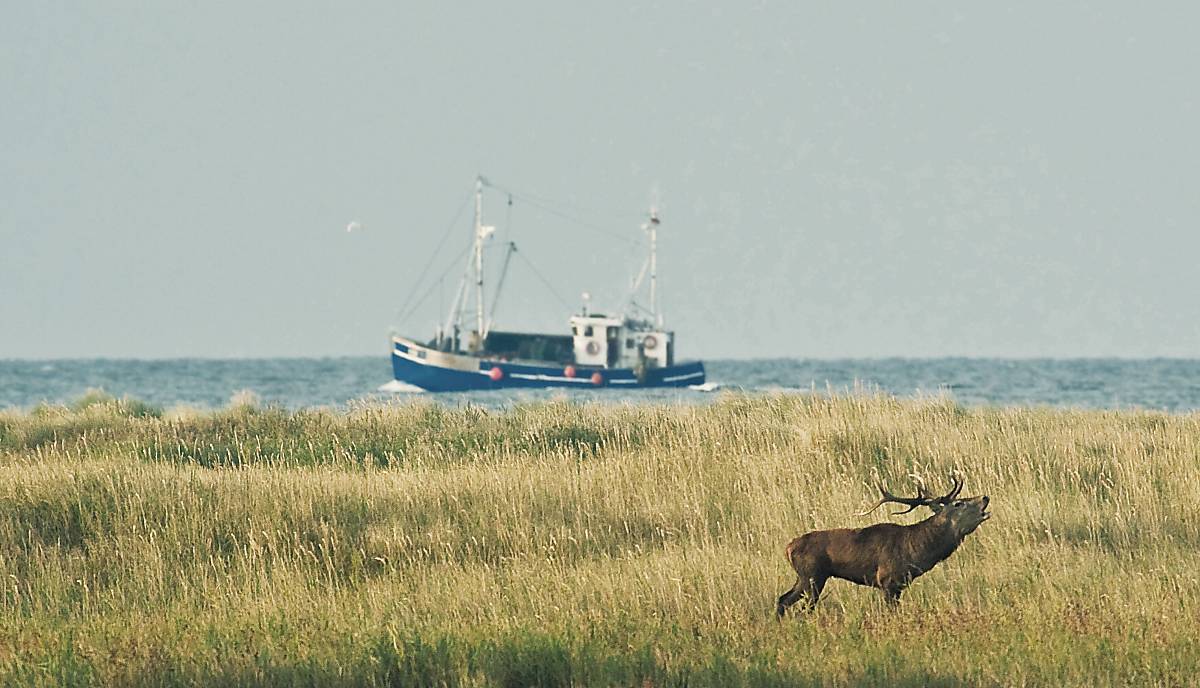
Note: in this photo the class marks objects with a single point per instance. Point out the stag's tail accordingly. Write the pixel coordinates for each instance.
(790, 551)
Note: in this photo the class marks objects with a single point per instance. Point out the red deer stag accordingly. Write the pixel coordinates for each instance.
(886, 555)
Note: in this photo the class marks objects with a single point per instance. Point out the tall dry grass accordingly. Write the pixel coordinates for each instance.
(560, 544)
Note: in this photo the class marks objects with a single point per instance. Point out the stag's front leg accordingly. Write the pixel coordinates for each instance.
(892, 586)
(892, 595)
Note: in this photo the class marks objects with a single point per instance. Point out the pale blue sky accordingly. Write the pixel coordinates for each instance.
(895, 179)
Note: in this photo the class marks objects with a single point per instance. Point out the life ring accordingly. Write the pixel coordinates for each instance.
(593, 347)
(496, 374)
(597, 378)
(650, 342)
(569, 371)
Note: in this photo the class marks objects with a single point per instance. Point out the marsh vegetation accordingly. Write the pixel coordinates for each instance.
(560, 544)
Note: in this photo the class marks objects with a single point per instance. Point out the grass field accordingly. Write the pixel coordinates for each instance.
(559, 544)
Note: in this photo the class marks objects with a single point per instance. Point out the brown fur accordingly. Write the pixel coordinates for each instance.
(887, 556)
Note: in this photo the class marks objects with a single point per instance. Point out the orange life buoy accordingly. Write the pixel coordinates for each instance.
(496, 374)
(569, 371)
(597, 378)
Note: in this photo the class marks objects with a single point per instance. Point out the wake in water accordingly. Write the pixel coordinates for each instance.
(398, 387)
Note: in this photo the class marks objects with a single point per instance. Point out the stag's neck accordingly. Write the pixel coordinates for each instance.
(932, 541)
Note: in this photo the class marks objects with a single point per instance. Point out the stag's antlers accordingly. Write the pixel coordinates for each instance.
(922, 499)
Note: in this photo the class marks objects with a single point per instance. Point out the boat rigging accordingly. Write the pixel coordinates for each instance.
(632, 348)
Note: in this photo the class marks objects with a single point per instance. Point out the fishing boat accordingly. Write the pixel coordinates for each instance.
(628, 350)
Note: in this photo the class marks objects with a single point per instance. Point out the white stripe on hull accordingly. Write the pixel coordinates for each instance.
(549, 378)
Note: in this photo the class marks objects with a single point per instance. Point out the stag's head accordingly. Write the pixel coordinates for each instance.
(963, 514)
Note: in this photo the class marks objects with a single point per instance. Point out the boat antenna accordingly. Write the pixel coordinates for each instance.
(652, 227)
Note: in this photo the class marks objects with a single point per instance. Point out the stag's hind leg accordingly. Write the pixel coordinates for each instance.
(807, 588)
(787, 599)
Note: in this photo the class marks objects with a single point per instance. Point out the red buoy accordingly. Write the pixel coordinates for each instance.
(597, 378)
(496, 373)
(569, 371)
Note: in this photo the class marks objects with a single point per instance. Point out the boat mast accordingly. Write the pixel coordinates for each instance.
(474, 265)
(479, 236)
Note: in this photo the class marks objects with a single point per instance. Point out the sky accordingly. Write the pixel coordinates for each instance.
(835, 180)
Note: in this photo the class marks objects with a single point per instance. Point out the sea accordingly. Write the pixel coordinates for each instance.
(1171, 385)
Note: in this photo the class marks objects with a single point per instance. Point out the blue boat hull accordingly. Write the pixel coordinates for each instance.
(436, 372)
